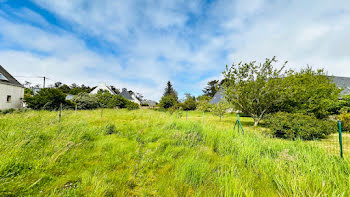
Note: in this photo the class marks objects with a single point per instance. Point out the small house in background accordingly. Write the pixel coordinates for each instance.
(130, 96)
(103, 87)
(11, 91)
(343, 83)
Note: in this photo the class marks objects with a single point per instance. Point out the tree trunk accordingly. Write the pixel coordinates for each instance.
(256, 122)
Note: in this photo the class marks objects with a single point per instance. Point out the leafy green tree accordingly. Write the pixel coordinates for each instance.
(253, 88)
(47, 99)
(167, 102)
(211, 89)
(190, 103)
(204, 103)
(65, 88)
(220, 108)
(309, 92)
(86, 101)
(108, 100)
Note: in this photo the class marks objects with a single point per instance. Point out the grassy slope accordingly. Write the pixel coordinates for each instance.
(153, 153)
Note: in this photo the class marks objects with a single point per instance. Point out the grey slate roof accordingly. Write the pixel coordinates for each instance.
(219, 95)
(342, 82)
(10, 79)
(126, 94)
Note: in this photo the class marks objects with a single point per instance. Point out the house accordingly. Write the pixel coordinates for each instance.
(149, 103)
(103, 87)
(131, 96)
(11, 91)
(341, 82)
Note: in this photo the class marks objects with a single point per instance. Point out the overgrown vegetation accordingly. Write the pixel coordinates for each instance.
(297, 125)
(157, 154)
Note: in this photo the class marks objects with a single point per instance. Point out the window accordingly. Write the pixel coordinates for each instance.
(2, 77)
(9, 98)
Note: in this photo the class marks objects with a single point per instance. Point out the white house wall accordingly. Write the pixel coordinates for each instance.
(16, 93)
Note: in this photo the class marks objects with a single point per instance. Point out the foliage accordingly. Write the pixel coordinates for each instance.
(170, 91)
(190, 103)
(220, 108)
(297, 125)
(211, 89)
(47, 99)
(150, 153)
(86, 101)
(108, 100)
(309, 92)
(167, 101)
(345, 118)
(253, 88)
(132, 106)
(204, 103)
(28, 92)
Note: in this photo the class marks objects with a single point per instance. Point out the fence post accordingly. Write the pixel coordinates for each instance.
(76, 108)
(59, 114)
(340, 139)
(186, 114)
(101, 112)
(203, 117)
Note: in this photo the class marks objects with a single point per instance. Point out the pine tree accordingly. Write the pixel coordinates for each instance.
(170, 91)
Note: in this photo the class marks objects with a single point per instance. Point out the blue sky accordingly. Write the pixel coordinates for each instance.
(141, 45)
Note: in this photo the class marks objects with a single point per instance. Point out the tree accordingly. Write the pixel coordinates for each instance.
(220, 108)
(47, 99)
(167, 102)
(58, 84)
(190, 103)
(211, 89)
(204, 103)
(253, 88)
(170, 91)
(309, 92)
(86, 101)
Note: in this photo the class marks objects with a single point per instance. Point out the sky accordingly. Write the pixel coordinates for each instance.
(140, 45)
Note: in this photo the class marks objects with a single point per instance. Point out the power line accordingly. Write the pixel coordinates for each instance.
(45, 78)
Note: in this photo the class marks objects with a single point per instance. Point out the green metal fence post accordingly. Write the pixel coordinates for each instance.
(340, 139)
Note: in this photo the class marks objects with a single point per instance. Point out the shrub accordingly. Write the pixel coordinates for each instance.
(7, 111)
(132, 106)
(345, 118)
(48, 99)
(86, 101)
(109, 129)
(167, 101)
(108, 100)
(292, 126)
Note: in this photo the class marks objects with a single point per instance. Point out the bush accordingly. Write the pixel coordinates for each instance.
(167, 102)
(108, 100)
(292, 126)
(132, 106)
(86, 101)
(345, 118)
(7, 111)
(47, 99)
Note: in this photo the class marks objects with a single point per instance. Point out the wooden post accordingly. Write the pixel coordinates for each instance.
(203, 117)
(186, 114)
(76, 108)
(59, 114)
(101, 112)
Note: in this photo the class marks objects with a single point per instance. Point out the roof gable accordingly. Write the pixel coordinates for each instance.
(7, 78)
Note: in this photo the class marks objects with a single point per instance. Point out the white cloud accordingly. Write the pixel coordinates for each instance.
(188, 42)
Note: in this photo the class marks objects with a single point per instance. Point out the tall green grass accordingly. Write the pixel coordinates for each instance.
(149, 153)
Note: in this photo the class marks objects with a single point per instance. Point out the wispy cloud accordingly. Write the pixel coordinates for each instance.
(142, 44)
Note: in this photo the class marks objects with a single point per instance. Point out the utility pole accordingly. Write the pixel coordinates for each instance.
(44, 81)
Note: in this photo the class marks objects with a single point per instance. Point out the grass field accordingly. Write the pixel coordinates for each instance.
(149, 153)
